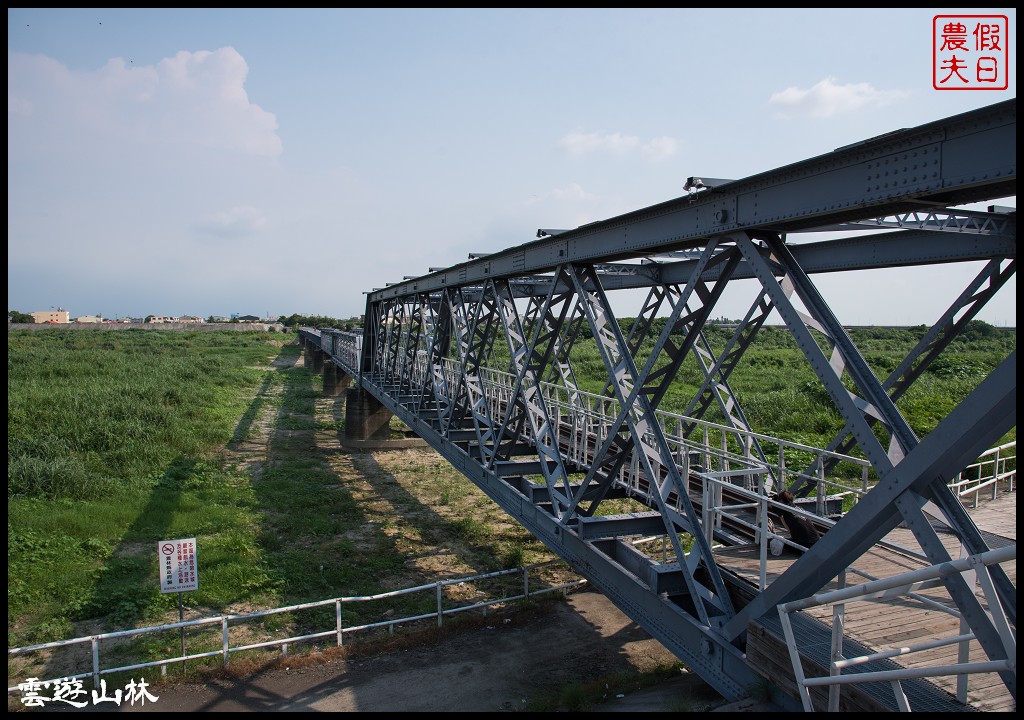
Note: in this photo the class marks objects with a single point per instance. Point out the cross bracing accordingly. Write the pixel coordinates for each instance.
(478, 359)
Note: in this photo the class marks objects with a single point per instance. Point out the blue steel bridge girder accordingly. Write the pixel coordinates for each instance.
(882, 408)
(844, 355)
(963, 159)
(528, 363)
(451, 322)
(992, 277)
(473, 322)
(436, 384)
(649, 443)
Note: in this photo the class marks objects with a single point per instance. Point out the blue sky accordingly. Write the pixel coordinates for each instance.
(273, 161)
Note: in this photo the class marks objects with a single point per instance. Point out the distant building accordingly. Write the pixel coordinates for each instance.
(249, 319)
(90, 319)
(160, 319)
(60, 315)
(190, 319)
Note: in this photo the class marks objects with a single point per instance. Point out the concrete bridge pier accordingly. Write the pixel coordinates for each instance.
(314, 357)
(335, 379)
(306, 344)
(366, 419)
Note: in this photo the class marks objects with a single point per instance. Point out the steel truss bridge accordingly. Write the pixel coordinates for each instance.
(478, 359)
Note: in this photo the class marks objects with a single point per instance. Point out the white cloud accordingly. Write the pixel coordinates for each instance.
(580, 143)
(660, 148)
(234, 222)
(572, 191)
(564, 207)
(195, 99)
(828, 98)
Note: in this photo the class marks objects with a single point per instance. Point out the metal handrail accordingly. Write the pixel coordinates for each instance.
(595, 411)
(1002, 457)
(898, 585)
(338, 632)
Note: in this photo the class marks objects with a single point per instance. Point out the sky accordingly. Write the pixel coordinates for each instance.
(277, 161)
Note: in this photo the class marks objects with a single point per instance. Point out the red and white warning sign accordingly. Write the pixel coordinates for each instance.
(178, 567)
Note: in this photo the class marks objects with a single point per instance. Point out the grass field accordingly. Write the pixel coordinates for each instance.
(119, 439)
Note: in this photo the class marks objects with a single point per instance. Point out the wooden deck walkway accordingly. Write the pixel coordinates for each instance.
(904, 621)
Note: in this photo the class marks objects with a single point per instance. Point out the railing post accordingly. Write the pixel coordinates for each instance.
(838, 633)
(95, 662)
(794, 658)
(762, 510)
(782, 467)
(707, 493)
(995, 476)
(440, 611)
(526, 583)
(337, 620)
(707, 444)
(224, 639)
(724, 463)
(901, 697)
(963, 655)
(820, 503)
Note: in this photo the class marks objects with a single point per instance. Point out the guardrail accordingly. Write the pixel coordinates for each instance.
(995, 467)
(582, 419)
(337, 633)
(904, 584)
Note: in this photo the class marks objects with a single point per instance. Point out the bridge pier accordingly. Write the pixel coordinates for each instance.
(366, 419)
(313, 357)
(335, 379)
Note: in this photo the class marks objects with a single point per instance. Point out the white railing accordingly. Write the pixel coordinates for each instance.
(584, 419)
(337, 633)
(974, 568)
(995, 468)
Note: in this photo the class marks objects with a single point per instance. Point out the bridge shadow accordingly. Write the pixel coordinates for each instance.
(335, 521)
(126, 589)
(349, 527)
(126, 593)
(512, 662)
(315, 539)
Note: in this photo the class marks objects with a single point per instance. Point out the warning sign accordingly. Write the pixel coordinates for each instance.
(178, 567)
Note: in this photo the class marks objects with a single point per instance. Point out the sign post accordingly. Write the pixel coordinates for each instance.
(178, 573)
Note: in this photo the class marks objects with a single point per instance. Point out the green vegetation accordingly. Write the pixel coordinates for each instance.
(320, 322)
(120, 438)
(112, 446)
(781, 396)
